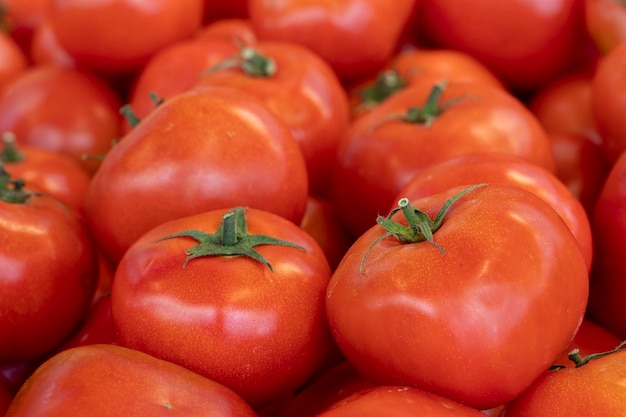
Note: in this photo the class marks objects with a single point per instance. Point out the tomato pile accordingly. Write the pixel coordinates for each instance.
(312, 208)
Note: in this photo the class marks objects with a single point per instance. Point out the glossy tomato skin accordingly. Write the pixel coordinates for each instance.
(305, 93)
(379, 152)
(61, 109)
(85, 30)
(505, 169)
(200, 150)
(608, 102)
(339, 31)
(404, 401)
(512, 283)
(42, 301)
(594, 389)
(231, 319)
(93, 380)
(608, 224)
(489, 30)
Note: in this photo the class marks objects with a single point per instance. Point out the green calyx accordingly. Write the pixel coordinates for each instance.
(387, 83)
(9, 153)
(419, 228)
(579, 361)
(12, 191)
(230, 239)
(250, 61)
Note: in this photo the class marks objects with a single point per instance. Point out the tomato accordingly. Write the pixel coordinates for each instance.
(322, 221)
(61, 109)
(94, 380)
(331, 387)
(200, 150)
(608, 102)
(341, 32)
(608, 224)
(589, 339)
(84, 30)
(46, 50)
(23, 17)
(404, 401)
(411, 66)
(174, 69)
(49, 272)
(301, 90)
(53, 173)
(13, 61)
(420, 126)
(605, 20)
(526, 43)
(594, 388)
(235, 295)
(492, 289)
(233, 29)
(506, 169)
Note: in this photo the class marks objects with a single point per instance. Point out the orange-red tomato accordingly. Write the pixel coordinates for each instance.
(119, 36)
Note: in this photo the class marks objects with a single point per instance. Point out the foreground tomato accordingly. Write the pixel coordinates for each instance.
(404, 401)
(473, 304)
(490, 31)
(595, 387)
(237, 296)
(105, 380)
(83, 29)
(200, 150)
(48, 275)
(341, 32)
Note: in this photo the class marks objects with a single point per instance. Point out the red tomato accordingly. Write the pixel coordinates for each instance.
(420, 126)
(13, 61)
(174, 69)
(23, 17)
(593, 389)
(322, 221)
(200, 150)
(498, 277)
(341, 32)
(608, 102)
(85, 30)
(505, 169)
(235, 30)
(413, 66)
(48, 275)
(605, 21)
(61, 109)
(607, 284)
(46, 50)
(250, 317)
(404, 401)
(53, 173)
(526, 43)
(589, 339)
(93, 380)
(301, 90)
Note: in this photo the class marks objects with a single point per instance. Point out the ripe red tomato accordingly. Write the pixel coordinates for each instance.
(61, 109)
(605, 20)
(93, 380)
(505, 169)
(200, 150)
(608, 222)
(53, 173)
(589, 339)
(495, 278)
(46, 50)
(404, 401)
(13, 60)
(48, 275)
(235, 30)
(341, 32)
(300, 89)
(420, 126)
(219, 294)
(593, 389)
(85, 30)
(491, 32)
(608, 102)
